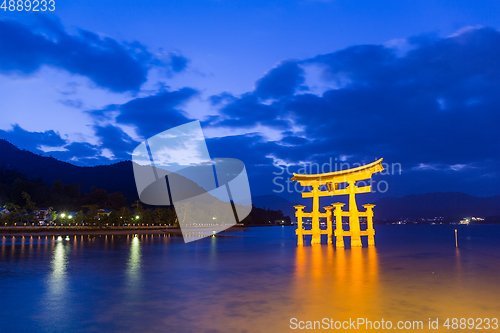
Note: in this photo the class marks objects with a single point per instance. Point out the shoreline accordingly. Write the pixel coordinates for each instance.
(74, 231)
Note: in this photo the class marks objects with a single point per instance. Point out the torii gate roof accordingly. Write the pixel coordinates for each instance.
(354, 174)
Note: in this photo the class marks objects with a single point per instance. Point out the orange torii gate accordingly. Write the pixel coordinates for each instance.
(332, 180)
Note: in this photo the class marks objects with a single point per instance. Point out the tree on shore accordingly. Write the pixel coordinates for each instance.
(13, 208)
(91, 216)
(78, 219)
(124, 215)
(29, 208)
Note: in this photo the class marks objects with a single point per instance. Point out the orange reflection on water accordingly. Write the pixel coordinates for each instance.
(335, 283)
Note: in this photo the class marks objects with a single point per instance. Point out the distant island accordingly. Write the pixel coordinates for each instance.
(429, 208)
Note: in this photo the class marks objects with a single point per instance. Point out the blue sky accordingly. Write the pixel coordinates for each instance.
(287, 82)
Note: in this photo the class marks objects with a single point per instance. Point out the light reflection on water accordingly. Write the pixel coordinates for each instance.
(57, 281)
(342, 283)
(254, 283)
(134, 263)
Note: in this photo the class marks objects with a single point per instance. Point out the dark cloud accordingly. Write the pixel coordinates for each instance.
(254, 152)
(156, 113)
(294, 140)
(116, 140)
(82, 154)
(108, 63)
(149, 115)
(221, 98)
(280, 81)
(32, 140)
(248, 111)
(178, 62)
(77, 151)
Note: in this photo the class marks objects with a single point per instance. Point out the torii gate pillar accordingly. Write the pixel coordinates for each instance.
(354, 226)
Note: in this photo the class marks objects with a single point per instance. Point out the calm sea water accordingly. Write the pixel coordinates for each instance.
(253, 283)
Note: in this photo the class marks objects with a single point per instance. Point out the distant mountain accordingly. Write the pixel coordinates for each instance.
(445, 204)
(112, 178)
